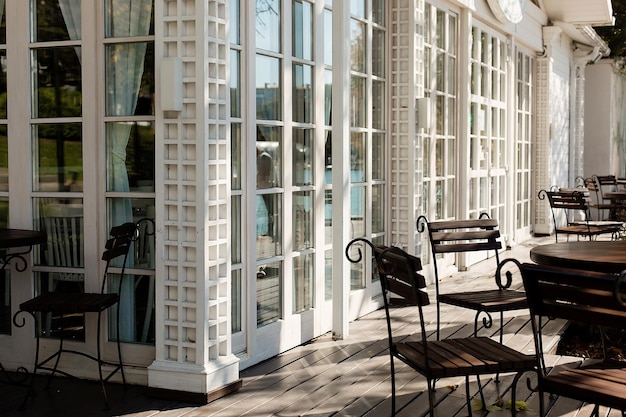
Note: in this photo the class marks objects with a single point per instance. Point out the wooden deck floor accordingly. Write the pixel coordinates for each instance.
(324, 378)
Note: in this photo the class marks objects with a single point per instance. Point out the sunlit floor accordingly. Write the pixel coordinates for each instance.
(322, 378)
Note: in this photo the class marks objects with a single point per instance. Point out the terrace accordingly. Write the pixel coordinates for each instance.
(325, 377)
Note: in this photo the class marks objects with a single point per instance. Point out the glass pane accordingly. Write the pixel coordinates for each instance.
(136, 307)
(357, 8)
(62, 220)
(56, 82)
(3, 23)
(357, 270)
(378, 11)
(137, 210)
(235, 156)
(236, 305)
(328, 216)
(129, 79)
(357, 157)
(128, 18)
(357, 211)
(3, 84)
(235, 85)
(302, 220)
(302, 30)
(236, 229)
(53, 23)
(130, 156)
(357, 46)
(378, 208)
(328, 37)
(268, 293)
(379, 57)
(57, 157)
(269, 152)
(302, 164)
(268, 88)
(302, 96)
(268, 225)
(303, 284)
(378, 104)
(234, 22)
(268, 24)
(328, 96)
(358, 102)
(378, 156)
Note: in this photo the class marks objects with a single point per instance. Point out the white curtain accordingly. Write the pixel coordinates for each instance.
(124, 70)
(71, 15)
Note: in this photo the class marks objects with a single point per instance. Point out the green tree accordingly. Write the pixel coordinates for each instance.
(615, 36)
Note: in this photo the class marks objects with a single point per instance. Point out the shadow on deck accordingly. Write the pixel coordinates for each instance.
(322, 378)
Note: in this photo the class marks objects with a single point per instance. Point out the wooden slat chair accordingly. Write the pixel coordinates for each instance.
(598, 203)
(576, 216)
(402, 285)
(591, 298)
(66, 304)
(606, 183)
(472, 235)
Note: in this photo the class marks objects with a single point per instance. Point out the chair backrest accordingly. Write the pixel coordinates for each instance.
(605, 183)
(571, 294)
(573, 203)
(458, 236)
(587, 297)
(400, 279)
(118, 246)
(64, 227)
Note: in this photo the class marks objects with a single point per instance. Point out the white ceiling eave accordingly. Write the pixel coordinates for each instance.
(585, 35)
(579, 12)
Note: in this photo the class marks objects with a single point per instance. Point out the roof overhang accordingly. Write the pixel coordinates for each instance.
(580, 12)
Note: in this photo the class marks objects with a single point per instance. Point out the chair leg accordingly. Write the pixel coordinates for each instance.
(467, 395)
(431, 398)
(393, 387)
(99, 357)
(513, 394)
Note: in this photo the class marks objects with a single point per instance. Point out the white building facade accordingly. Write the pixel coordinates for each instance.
(367, 114)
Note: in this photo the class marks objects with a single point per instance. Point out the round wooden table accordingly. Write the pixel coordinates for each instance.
(602, 256)
(18, 238)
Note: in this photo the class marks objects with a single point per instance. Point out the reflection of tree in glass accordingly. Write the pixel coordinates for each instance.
(263, 7)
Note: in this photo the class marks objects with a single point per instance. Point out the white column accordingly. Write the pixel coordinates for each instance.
(341, 167)
(193, 340)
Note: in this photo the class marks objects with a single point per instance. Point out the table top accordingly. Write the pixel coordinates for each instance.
(602, 256)
(15, 238)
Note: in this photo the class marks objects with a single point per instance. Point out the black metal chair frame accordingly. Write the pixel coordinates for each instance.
(572, 201)
(592, 298)
(63, 304)
(463, 236)
(472, 356)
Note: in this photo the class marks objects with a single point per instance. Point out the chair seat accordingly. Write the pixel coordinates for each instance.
(490, 300)
(599, 384)
(68, 303)
(459, 357)
(582, 229)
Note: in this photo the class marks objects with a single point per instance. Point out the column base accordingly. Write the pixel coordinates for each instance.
(194, 383)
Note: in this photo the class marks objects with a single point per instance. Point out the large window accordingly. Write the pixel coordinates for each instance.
(523, 135)
(488, 124)
(66, 149)
(440, 143)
